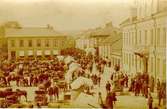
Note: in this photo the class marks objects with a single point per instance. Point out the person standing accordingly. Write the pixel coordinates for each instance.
(152, 83)
(56, 92)
(100, 100)
(150, 102)
(50, 92)
(108, 87)
(110, 100)
(145, 88)
(158, 85)
(31, 79)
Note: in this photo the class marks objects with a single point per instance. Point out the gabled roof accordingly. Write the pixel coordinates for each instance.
(31, 32)
(129, 21)
(115, 41)
(99, 31)
(108, 30)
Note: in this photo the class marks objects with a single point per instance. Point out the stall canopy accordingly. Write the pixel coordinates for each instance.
(21, 53)
(39, 52)
(30, 53)
(68, 59)
(90, 50)
(60, 58)
(73, 67)
(81, 81)
(47, 52)
(55, 52)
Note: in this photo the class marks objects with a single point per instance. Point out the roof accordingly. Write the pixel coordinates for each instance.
(100, 31)
(115, 41)
(31, 32)
(105, 31)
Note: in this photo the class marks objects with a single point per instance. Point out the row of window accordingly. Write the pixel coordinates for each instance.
(129, 59)
(38, 43)
(145, 37)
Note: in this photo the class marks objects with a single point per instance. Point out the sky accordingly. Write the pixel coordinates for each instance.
(65, 15)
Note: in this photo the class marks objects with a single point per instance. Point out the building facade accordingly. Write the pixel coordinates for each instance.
(111, 48)
(145, 31)
(21, 42)
(107, 40)
(34, 42)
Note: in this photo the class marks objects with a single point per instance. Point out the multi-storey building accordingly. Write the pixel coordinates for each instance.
(21, 42)
(111, 48)
(106, 40)
(145, 31)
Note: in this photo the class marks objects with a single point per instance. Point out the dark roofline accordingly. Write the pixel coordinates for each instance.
(58, 36)
(96, 36)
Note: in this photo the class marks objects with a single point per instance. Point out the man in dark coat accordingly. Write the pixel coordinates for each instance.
(108, 87)
(56, 92)
(51, 92)
(150, 102)
(110, 100)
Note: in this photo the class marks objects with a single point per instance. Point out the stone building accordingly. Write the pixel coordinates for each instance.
(107, 40)
(145, 32)
(21, 42)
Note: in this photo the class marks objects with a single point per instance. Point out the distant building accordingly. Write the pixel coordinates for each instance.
(111, 47)
(33, 42)
(145, 31)
(106, 40)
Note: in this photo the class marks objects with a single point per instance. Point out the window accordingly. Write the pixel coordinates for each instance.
(164, 36)
(129, 37)
(140, 63)
(55, 43)
(126, 58)
(133, 37)
(12, 43)
(146, 37)
(158, 66)
(152, 65)
(47, 43)
(140, 37)
(164, 68)
(132, 60)
(30, 43)
(126, 38)
(152, 37)
(38, 43)
(21, 43)
(158, 36)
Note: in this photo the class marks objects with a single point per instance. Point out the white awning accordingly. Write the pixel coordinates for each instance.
(80, 81)
(68, 59)
(55, 52)
(30, 53)
(21, 53)
(60, 58)
(47, 52)
(39, 52)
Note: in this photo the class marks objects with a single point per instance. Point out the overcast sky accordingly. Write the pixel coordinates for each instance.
(65, 15)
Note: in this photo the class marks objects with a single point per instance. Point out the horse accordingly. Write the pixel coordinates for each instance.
(4, 94)
(21, 93)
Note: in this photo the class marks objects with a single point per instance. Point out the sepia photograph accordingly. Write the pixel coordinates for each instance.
(83, 54)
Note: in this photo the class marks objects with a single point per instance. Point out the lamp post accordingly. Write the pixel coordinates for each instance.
(145, 60)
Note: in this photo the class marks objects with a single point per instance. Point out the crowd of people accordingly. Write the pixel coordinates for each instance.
(45, 73)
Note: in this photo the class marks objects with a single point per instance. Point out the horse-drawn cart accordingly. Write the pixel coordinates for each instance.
(12, 99)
